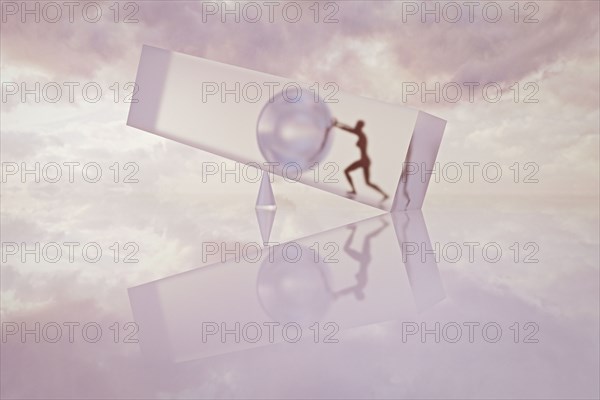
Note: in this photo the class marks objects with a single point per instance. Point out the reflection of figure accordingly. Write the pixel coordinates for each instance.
(364, 259)
(364, 162)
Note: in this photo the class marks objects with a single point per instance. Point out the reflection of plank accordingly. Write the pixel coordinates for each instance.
(172, 102)
(422, 269)
(364, 286)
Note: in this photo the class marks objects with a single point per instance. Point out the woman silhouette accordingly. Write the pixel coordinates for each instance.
(364, 162)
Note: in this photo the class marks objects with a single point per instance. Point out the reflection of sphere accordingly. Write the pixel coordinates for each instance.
(294, 129)
(294, 291)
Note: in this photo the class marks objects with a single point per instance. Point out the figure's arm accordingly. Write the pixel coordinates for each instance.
(344, 127)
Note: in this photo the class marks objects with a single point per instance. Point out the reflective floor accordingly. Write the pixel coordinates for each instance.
(471, 298)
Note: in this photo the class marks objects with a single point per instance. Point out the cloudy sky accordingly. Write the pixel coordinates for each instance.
(373, 50)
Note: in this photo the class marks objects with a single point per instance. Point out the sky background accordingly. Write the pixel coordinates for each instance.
(369, 52)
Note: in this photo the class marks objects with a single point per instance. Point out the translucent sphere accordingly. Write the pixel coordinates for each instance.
(294, 290)
(293, 129)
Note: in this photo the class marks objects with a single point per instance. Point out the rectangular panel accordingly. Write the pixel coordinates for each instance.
(216, 107)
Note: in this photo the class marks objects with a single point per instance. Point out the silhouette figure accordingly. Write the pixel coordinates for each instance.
(364, 259)
(364, 162)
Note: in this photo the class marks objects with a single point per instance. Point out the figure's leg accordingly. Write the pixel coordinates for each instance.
(366, 170)
(367, 240)
(351, 252)
(352, 167)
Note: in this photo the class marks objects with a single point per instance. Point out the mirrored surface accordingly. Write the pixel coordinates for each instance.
(469, 298)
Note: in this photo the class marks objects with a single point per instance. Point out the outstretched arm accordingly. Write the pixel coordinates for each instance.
(344, 127)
